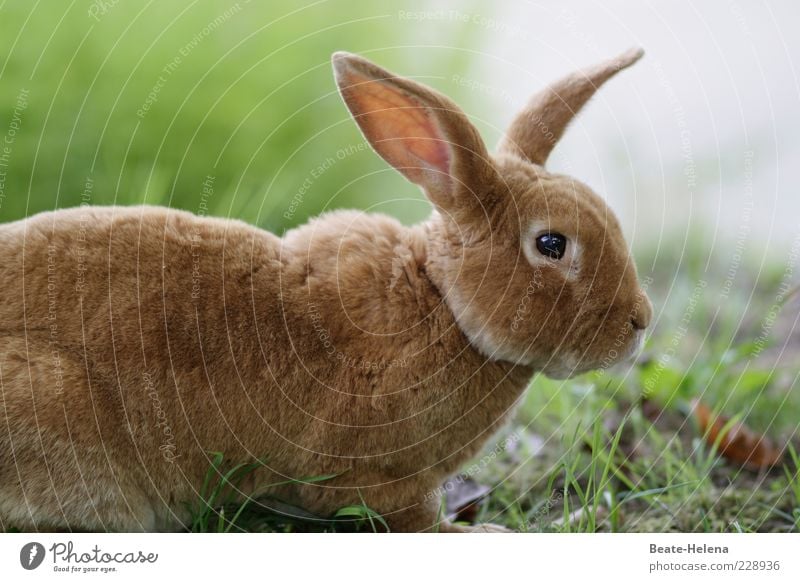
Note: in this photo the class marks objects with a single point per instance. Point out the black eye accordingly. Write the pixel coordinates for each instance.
(552, 245)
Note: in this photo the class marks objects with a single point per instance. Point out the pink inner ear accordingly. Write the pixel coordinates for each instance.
(400, 128)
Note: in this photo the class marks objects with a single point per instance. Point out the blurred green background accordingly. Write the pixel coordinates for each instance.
(146, 100)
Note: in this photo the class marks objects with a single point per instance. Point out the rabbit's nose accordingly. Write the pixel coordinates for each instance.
(643, 312)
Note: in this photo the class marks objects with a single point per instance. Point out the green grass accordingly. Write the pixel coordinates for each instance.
(223, 507)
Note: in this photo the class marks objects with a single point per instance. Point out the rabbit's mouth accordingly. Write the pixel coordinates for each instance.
(636, 347)
(566, 366)
(633, 349)
(570, 365)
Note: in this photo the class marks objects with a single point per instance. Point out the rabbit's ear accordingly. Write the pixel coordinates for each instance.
(419, 131)
(538, 127)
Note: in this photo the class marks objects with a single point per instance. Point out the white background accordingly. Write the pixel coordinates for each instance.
(426, 557)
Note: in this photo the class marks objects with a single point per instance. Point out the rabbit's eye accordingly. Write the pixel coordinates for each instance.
(552, 245)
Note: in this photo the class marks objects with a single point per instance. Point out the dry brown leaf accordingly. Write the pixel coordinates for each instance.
(740, 444)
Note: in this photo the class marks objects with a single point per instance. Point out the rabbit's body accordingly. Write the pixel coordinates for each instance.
(117, 379)
(136, 341)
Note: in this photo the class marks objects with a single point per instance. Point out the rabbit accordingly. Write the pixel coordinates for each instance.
(138, 341)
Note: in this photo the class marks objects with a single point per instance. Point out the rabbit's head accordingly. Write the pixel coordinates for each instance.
(532, 264)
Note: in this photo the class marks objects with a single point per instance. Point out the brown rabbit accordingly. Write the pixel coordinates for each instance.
(136, 340)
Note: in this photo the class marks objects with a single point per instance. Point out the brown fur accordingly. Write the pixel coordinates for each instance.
(133, 341)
